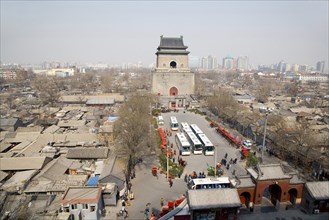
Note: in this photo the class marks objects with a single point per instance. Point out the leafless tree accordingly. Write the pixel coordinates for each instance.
(264, 90)
(47, 88)
(132, 129)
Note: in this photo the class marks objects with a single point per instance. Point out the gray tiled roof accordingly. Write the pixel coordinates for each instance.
(268, 172)
(318, 190)
(22, 163)
(87, 153)
(172, 42)
(245, 182)
(213, 198)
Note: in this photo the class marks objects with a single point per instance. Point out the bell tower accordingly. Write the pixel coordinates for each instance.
(172, 76)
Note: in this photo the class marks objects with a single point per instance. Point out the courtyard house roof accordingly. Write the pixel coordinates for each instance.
(268, 172)
(213, 198)
(87, 153)
(318, 190)
(23, 163)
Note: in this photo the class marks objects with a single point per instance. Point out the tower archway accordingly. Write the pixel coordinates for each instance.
(273, 193)
(292, 195)
(173, 64)
(173, 91)
(245, 198)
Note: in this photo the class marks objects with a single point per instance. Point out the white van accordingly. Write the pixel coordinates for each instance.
(160, 120)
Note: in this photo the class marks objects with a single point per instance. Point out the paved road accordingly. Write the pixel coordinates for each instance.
(150, 189)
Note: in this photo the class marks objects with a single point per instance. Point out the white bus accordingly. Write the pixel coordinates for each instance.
(196, 129)
(208, 147)
(160, 120)
(196, 145)
(185, 127)
(209, 183)
(173, 123)
(183, 144)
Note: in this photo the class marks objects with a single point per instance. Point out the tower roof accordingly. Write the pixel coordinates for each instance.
(172, 43)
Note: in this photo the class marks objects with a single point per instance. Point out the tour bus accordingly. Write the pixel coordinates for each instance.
(209, 183)
(160, 120)
(182, 144)
(196, 129)
(173, 123)
(185, 127)
(196, 145)
(208, 147)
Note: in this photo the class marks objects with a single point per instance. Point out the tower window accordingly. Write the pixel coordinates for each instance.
(173, 64)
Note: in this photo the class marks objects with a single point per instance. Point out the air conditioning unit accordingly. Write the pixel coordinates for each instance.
(316, 211)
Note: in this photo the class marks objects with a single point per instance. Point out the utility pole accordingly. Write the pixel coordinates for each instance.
(215, 160)
(167, 163)
(266, 114)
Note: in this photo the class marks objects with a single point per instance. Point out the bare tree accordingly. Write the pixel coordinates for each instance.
(47, 88)
(132, 129)
(263, 91)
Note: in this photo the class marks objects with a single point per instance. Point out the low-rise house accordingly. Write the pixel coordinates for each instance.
(23, 163)
(213, 203)
(316, 197)
(19, 181)
(10, 124)
(87, 153)
(83, 202)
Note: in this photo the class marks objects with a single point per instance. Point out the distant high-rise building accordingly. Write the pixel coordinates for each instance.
(295, 67)
(304, 68)
(210, 63)
(228, 63)
(320, 66)
(281, 66)
(286, 67)
(204, 63)
(243, 63)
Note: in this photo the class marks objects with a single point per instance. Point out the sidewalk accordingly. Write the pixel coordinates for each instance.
(150, 189)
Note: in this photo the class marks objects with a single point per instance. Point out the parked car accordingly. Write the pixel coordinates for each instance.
(247, 144)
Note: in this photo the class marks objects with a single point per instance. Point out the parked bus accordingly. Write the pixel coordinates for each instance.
(208, 147)
(209, 183)
(196, 145)
(196, 129)
(173, 123)
(160, 120)
(185, 127)
(183, 144)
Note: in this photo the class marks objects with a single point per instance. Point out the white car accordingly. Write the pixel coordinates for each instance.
(247, 144)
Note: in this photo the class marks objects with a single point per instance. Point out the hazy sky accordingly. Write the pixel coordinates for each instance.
(116, 32)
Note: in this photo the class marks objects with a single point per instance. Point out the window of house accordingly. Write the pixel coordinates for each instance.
(92, 208)
(74, 206)
(85, 206)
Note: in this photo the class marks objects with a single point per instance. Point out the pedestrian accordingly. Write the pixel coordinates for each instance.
(231, 161)
(178, 174)
(124, 211)
(225, 156)
(123, 203)
(173, 159)
(185, 177)
(175, 152)
(228, 166)
(152, 216)
(161, 202)
(170, 183)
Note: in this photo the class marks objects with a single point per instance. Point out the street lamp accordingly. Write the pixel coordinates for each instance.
(267, 111)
